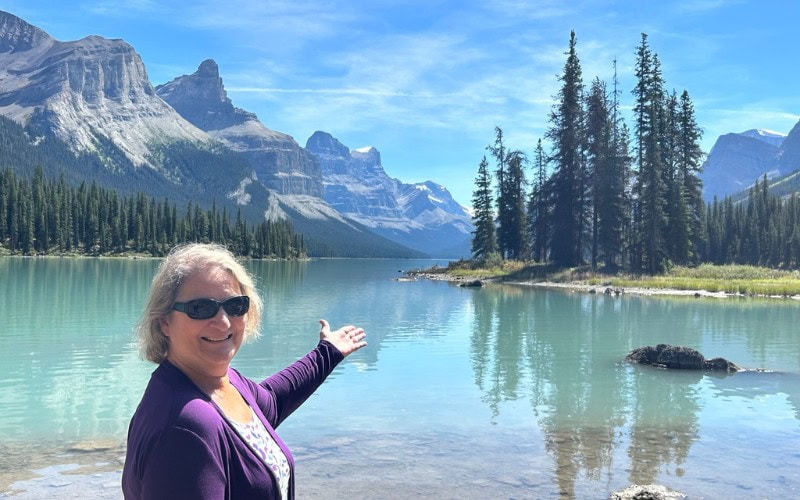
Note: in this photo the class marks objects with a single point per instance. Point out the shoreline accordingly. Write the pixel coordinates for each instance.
(577, 286)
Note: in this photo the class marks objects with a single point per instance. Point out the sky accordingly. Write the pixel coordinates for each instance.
(427, 82)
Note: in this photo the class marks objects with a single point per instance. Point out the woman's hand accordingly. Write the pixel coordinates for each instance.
(348, 339)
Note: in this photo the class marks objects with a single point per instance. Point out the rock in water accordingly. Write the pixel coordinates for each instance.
(647, 492)
(680, 357)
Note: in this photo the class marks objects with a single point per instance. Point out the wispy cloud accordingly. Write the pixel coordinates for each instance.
(351, 91)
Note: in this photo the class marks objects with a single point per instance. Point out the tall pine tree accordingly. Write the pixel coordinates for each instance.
(538, 206)
(649, 197)
(484, 238)
(566, 136)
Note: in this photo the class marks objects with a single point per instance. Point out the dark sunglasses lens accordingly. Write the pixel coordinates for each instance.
(237, 306)
(202, 308)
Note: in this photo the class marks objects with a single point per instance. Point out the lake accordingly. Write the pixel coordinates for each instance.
(498, 392)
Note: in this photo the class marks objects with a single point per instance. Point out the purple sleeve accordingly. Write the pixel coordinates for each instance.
(181, 465)
(295, 383)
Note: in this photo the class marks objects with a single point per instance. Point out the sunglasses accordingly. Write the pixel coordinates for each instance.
(208, 308)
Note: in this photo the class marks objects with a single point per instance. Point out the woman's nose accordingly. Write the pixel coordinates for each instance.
(221, 319)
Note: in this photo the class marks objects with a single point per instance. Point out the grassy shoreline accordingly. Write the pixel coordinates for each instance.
(706, 279)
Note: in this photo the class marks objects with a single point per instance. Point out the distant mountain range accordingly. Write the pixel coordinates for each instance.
(422, 216)
(737, 160)
(185, 140)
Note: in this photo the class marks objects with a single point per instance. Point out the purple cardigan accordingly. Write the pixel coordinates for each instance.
(180, 446)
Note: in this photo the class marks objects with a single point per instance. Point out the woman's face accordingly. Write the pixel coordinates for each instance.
(205, 347)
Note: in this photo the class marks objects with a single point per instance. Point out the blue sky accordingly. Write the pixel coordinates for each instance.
(426, 82)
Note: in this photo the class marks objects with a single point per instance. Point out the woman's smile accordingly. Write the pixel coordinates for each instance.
(215, 340)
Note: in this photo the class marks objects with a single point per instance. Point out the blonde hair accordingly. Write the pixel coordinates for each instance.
(182, 262)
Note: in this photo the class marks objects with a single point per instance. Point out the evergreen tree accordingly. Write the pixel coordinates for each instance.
(538, 206)
(504, 207)
(566, 135)
(39, 213)
(516, 220)
(614, 219)
(676, 233)
(599, 160)
(484, 239)
(26, 218)
(690, 161)
(650, 218)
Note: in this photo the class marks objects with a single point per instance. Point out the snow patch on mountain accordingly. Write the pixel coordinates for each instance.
(765, 135)
(241, 196)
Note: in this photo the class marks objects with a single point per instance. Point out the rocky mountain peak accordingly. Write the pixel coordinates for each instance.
(17, 35)
(279, 162)
(735, 161)
(208, 69)
(201, 98)
(324, 144)
(768, 136)
(368, 161)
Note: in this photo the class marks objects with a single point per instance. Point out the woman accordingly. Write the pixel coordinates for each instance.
(202, 430)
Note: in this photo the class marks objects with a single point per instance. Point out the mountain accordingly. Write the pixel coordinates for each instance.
(787, 161)
(86, 109)
(422, 216)
(86, 92)
(279, 162)
(736, 160)
(289, 172)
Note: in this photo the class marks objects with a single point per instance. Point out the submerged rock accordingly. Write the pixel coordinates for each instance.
(680, 357)
(647, 492)
(473, 283)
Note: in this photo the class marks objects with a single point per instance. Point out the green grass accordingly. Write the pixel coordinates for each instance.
(746, 280)
(737, 279)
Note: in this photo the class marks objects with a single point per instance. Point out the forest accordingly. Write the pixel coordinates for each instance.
(40, 216)
(622, 199)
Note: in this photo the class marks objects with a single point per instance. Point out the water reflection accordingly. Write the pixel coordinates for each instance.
(47, 367)
(563, 352)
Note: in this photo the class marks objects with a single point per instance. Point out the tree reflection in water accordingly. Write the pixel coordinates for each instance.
(565, 356)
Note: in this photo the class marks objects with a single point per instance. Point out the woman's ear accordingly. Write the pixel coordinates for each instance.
(163, 323)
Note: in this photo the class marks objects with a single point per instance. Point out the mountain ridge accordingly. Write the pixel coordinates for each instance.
(279, 162)
(85, 92)
(423, 215)
(184, 139)
(737, 160)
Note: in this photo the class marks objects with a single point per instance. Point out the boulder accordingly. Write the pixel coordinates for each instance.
(680, 357)
(647, 492)
(721, 364)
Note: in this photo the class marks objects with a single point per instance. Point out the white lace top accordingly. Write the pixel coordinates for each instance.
(260, 441)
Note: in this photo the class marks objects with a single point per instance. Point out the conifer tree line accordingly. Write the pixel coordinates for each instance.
(764, 230)
(602, 194)
(40, 216)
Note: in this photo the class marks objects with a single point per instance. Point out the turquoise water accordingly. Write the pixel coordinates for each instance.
(499, 392)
